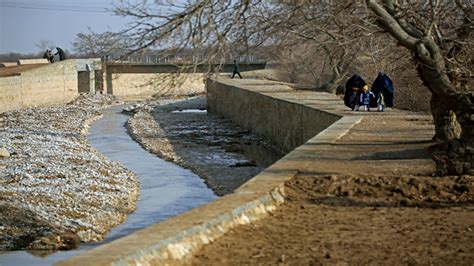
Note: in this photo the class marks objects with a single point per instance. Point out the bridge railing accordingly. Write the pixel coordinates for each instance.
(178, 59)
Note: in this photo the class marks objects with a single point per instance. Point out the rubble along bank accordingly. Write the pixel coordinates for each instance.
(56, 190)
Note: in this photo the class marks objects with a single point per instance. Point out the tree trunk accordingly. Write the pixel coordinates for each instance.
(332, 86)
(454, 154)
(446, 124)
(452, 116)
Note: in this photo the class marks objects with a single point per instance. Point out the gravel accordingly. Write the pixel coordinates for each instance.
(56, 190)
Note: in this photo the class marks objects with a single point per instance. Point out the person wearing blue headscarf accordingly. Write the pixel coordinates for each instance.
(383, 90)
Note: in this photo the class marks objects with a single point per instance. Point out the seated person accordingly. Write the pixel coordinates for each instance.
(383, 90)
(365, 100)
(354, 86)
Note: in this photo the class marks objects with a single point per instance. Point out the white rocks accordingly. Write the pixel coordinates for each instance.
(54, 178)
(137, 108)
(4, 153)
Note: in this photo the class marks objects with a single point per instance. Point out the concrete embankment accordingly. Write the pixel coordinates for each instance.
(153, 84)
(46, 85)
(254, 105)
(286, 121)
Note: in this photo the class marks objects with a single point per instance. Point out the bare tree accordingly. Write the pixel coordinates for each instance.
(98, 44)
(439, 35)
(45, 44)
(213, 29)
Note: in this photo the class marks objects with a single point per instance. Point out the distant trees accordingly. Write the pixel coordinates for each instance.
(13, 57)
(213, 29)
(45, 44)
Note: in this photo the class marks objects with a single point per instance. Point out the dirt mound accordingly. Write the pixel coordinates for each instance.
(379, 191)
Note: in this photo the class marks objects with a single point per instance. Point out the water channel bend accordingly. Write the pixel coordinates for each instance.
(166, 189)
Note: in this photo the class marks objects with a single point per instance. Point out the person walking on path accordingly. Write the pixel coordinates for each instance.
(236, 69)
(61, 53)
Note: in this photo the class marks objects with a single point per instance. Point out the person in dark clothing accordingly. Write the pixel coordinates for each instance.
(383, 90)
(236, 69)
(354, 87)
(61, 53)
(48, 56)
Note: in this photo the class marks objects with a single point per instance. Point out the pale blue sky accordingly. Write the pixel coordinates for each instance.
(23, 23)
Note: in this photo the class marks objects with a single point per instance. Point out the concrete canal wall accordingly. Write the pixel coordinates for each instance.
(47, 85)
(154, 84)
(136, 79)
(285, 123)
(52, 84)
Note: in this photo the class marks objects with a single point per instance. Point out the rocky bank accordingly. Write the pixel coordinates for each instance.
(56, 190)
(181, 131)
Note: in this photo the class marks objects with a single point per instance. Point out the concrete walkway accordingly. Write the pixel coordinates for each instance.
(387, 144)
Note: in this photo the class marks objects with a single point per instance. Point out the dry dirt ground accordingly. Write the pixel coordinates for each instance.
(369, 199)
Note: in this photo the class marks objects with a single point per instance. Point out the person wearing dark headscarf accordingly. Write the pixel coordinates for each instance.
(354, 86)
(383, 90)
(48, 56)
(61, 53)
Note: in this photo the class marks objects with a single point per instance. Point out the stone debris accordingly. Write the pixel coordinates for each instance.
(4, 153)
(56, 190)
(133, 109)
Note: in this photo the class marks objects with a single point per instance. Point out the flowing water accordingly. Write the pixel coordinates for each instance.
(166, 189)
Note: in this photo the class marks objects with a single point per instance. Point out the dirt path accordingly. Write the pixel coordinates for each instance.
(368, 199)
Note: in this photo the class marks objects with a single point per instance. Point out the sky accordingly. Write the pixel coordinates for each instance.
(24, 23)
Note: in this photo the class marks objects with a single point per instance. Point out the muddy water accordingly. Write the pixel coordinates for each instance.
(165, 189)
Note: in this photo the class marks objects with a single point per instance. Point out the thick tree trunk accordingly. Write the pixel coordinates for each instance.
(454, 155)
(446, 124)
(468, 144)
(332, 86)
(452, 116)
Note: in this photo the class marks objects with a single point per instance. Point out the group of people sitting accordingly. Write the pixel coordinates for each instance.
(50, 56)
(359, 97)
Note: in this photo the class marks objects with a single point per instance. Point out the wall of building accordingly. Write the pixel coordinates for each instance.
(286, 124)
(47, 85)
